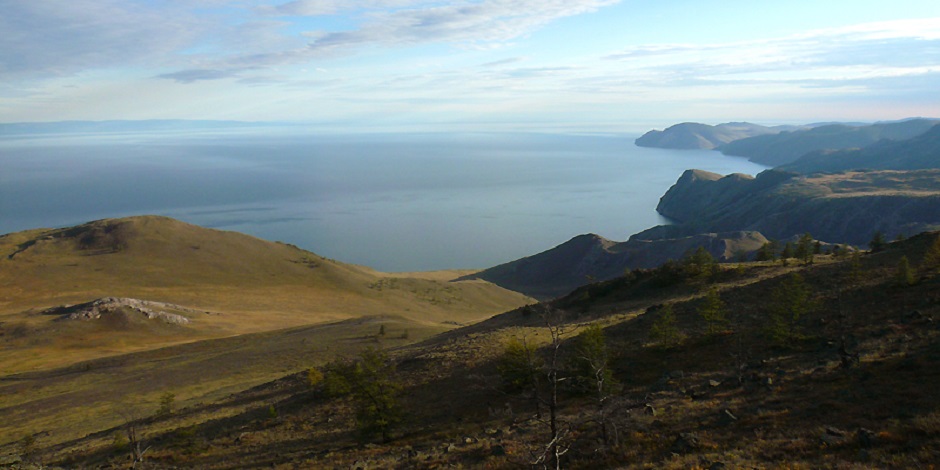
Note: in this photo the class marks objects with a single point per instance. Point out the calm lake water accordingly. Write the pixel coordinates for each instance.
(395, 202)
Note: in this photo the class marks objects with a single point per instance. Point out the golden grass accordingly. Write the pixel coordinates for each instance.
(246, 284)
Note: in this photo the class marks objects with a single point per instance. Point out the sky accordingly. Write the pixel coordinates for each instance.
(579, 65)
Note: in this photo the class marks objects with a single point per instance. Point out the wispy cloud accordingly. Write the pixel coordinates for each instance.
(59, 37)
(851, 54)
(466, 22)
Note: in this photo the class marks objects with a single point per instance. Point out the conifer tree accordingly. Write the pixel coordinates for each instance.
(665, 331)
(369, 381)
(714, 312)
(905, 277)
(790, 301)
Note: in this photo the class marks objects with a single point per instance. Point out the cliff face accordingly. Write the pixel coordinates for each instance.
(841, 208)
(588, 258)
(693, 135)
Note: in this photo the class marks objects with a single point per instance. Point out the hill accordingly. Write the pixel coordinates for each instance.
(591, 258)
(786, 147)
(849, 385)
(228, 283)
(844, 207)
(918, 153)
(693, 135)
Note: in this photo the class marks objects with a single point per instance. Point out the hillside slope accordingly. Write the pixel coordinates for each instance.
(244, 284)
(590, 258)
(918, 153)
(851, 386)
(785, 147)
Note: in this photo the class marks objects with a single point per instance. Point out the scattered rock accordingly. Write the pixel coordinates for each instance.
(95, 309)
(866, 438)
(648, 409)
(685, 443)
(832, 436)
(714, 383)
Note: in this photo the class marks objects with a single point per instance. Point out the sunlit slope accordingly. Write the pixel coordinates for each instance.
(233, 282)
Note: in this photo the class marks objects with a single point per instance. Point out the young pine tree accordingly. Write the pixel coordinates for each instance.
(369, 380)
(790, 301)
(905, 276)
(665, 330)
(714, 312)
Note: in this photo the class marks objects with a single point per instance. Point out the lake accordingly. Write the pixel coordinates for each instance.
(394, 202)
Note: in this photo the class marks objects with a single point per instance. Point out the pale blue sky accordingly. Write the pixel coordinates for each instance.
(584, 65)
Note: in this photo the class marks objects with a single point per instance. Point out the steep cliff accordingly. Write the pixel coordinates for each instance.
(841, 208)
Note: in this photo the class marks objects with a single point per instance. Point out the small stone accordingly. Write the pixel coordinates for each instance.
(714, 383)
(685, 443)
(648, 408)
(866, 438)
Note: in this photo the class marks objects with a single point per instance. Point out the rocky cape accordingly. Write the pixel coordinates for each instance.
(694, 135)
(845, 207)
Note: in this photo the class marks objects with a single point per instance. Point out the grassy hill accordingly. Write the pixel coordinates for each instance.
(228, 283)
(852, 384)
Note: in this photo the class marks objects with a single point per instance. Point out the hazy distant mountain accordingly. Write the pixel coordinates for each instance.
(920, 152)
(81, 127)
(844, 207)
(589, 258)
(693, 135)
(786, 147)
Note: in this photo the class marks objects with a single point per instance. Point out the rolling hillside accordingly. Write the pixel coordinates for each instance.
(226, 283)
(849, 386)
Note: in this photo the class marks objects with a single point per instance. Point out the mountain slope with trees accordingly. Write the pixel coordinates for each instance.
(822, 364)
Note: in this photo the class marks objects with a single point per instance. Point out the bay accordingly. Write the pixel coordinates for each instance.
(394, 202)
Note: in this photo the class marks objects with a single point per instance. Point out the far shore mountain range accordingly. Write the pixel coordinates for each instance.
(839, 182)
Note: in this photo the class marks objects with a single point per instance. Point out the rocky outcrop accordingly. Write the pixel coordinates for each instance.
(588, 258)
(841, 208)
(693, 135)
(167, 313)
